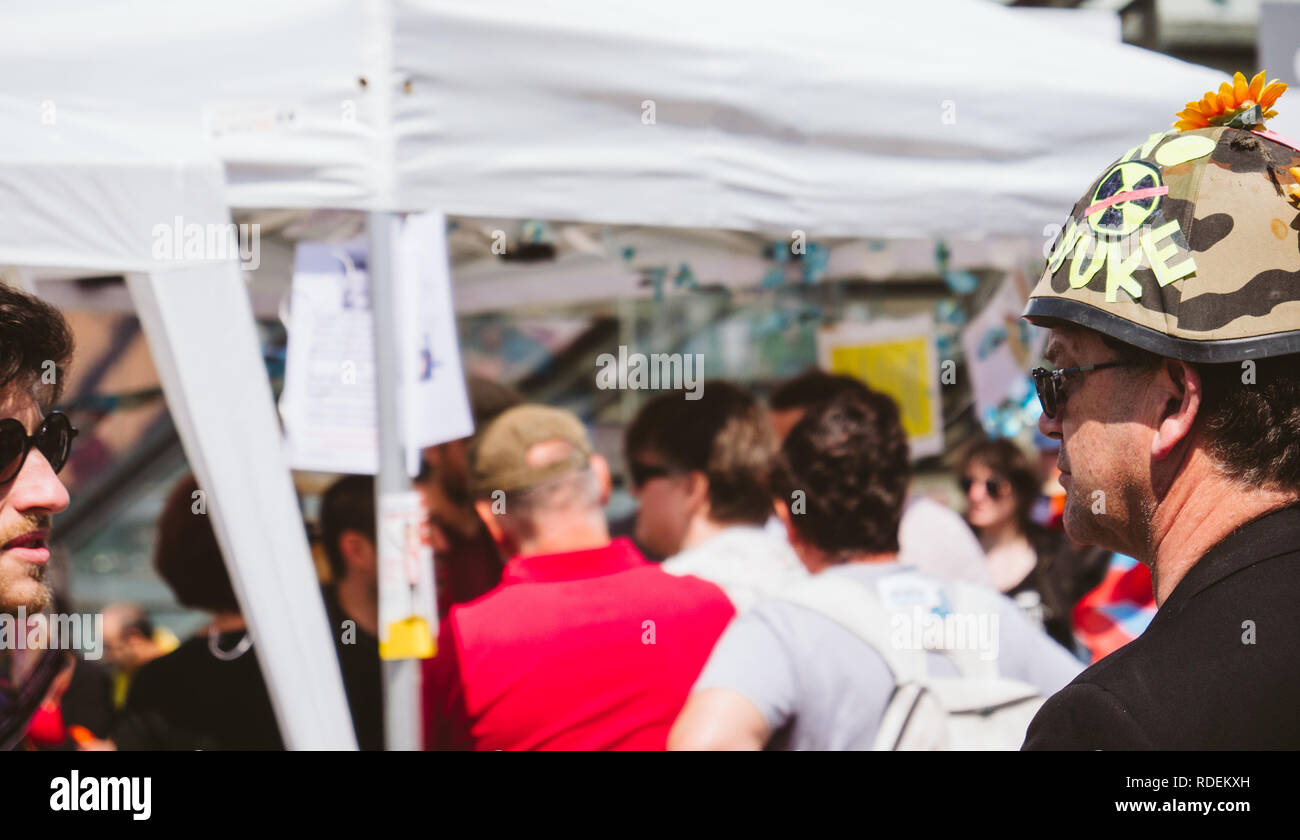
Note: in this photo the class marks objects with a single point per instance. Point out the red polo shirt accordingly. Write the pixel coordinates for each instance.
(592, 649)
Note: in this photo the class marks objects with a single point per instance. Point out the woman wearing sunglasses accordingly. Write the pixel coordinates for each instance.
(1037, 568)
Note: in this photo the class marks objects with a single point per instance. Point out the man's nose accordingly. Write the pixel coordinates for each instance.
(1050, 426)
(36, 489)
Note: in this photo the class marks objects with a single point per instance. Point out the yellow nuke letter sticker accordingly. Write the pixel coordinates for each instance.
(409, 638)
(1121, 258)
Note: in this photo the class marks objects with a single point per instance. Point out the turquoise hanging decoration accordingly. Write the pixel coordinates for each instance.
(535, 231)
(960, 282)
(941, 256)
(815, 261)
(990, 342)
(629, 253)
(948, 311)
(774, 278)
(685, 278)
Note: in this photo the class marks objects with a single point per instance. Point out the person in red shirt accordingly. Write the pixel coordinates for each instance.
(584, 644)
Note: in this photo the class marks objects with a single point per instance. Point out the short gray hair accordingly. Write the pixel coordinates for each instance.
(575, 489)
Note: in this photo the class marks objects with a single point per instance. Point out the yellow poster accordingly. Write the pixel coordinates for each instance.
(895, 357)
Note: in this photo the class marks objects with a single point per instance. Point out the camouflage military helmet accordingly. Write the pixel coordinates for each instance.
(1189, 245)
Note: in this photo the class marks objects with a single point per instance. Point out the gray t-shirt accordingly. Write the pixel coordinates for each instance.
(821, 687)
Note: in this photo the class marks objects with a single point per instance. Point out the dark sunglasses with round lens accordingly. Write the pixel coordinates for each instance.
(53, 438)
(992, 486)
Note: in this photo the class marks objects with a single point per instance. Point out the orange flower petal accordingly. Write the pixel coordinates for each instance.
(1257, 85)
(1271, 93)
(1240, 87)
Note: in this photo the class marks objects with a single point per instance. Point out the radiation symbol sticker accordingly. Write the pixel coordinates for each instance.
(1127, 196)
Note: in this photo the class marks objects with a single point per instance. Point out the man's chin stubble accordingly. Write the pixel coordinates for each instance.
(31, 577)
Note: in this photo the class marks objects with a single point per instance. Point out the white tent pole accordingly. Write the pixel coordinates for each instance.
(402, 726)
(204, 342)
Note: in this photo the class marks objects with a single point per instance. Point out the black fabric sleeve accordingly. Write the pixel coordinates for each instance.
(146, 722)
(1085, 716)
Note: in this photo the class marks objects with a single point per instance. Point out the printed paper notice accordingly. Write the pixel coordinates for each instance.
(328, 403)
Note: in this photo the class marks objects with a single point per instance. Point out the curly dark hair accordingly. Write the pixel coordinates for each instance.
(724, 434)
(849, 457)
(35, 341)
(1252, 427)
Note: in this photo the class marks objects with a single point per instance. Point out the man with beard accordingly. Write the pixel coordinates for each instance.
(1174, 316)
(35, 346)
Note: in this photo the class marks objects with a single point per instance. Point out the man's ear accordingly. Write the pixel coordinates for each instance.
(1179, 385)
(697, 490)
(600, 468)
(484, 510)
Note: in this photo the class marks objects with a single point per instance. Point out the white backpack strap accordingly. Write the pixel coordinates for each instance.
(859, 609)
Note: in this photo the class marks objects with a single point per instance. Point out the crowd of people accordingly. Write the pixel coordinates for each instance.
(555, 634)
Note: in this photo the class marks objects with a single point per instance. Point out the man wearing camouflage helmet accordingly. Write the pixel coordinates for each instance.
(1173, 302)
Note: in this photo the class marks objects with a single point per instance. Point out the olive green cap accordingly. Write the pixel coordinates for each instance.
(499, 460)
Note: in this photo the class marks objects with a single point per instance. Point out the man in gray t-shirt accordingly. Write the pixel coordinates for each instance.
(819, 686)
(787, 676)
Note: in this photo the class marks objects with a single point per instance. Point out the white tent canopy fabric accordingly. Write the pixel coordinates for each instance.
(953, 117)
(80, 195)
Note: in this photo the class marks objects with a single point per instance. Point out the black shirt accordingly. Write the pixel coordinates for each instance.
(1217, 668)
(362, 673)
(191, 700)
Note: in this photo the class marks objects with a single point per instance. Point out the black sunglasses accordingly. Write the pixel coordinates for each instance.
(993, 486)
(641, 473)
(53, 438)
(1050, 384)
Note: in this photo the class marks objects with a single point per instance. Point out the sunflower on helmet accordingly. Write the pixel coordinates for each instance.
(1188, 245)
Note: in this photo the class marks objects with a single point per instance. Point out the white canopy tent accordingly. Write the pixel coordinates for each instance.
(80, 196)
(953, 117)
